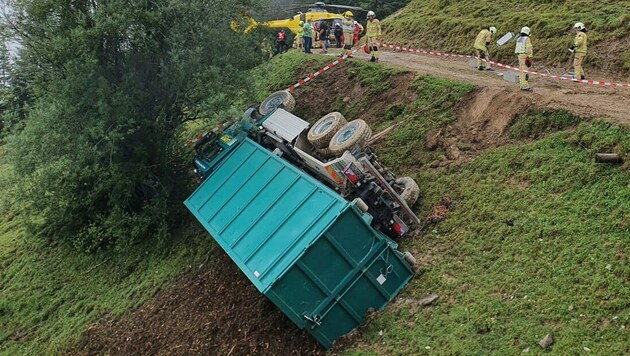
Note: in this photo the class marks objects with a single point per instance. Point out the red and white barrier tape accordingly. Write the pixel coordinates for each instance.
(321, 71)
(506, 66)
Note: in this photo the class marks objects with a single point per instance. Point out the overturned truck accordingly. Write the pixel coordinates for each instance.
(306, 212)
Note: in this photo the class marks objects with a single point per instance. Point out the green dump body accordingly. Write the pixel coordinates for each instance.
(312, 253)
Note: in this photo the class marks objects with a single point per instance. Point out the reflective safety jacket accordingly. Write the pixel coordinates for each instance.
(373, 29)
(348, 25)
(524, 45)
(483, 39)
(300, 30)
(581, 42)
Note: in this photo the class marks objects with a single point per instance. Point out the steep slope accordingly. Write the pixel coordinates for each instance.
(532, 240)
(452, 26)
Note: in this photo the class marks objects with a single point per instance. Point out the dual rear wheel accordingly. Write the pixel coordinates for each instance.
(332, 135)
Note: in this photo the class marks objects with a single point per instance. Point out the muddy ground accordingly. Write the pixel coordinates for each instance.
(212, 310)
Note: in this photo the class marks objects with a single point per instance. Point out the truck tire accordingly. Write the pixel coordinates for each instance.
(356, 132)
(408, 190)
(325, 128)
(273, 101)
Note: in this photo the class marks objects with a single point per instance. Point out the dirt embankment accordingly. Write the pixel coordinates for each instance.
(340, 91)
(212, 310)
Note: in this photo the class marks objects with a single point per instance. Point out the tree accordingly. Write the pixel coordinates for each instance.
(108, 83)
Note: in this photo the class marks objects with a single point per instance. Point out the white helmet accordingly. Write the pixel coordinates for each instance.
(579, 26)
(371, 13)
(493, 30)
(526, 30)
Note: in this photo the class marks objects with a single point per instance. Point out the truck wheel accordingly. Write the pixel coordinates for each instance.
(325, 128)
(273, 101)
(356, 132)
(408, 189)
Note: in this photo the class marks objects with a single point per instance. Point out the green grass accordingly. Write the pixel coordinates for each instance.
(536, 123)
(280, 72)
(377, 78)
(453, 25)
(538, 243)
(50, 295)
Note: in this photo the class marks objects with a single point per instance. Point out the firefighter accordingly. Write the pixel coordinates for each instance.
(484, 38)
(525, 52)
(579, 48)
(373, 35)
(299, 40)
(347, 23)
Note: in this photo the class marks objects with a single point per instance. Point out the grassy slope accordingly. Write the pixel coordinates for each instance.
(562, 267)
(453, 25)
(49, 295)
(550, 188)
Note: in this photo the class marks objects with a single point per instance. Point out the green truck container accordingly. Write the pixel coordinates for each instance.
(311, 252)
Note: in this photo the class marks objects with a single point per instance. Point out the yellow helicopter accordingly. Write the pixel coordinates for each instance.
(316, 12)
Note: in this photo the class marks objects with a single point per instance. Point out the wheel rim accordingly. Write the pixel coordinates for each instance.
(346, 134)
(274, 102)
(323, 127)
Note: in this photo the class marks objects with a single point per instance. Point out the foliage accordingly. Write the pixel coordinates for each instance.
(382, 8)
(537, 243)
(109, 85)
(453, 26)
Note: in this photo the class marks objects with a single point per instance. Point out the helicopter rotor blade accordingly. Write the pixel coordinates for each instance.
(356, 8)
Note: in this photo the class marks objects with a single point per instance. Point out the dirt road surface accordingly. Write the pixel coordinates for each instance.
(589, 101)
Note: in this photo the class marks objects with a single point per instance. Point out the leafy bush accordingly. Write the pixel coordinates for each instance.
(110, 84)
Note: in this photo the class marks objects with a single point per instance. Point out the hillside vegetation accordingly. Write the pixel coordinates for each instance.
(453, 25)
(536, 242)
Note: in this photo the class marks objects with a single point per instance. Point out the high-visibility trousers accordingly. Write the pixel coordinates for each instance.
(523, 77)
(577, 65)
(299, 41)
(481, 54)
(372, 43)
